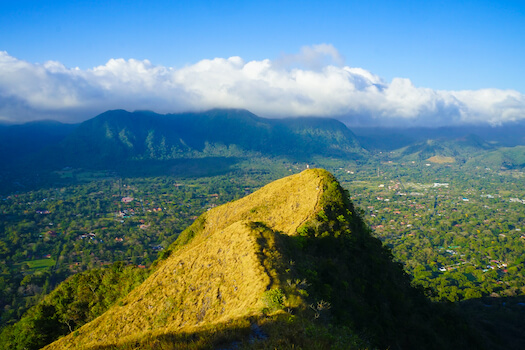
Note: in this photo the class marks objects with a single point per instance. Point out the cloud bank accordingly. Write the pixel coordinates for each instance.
(314, 82)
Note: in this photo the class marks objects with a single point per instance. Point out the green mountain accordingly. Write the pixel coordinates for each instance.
(458, 150)
(470, 150)
(390, 138)
(116, 137)
(290, 266)
(504, 157)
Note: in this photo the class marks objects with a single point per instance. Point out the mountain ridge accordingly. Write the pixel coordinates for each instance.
(118, 136)
(127, 141)
(232, 225)
(295, 260)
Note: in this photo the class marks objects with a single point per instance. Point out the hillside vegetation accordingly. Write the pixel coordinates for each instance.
(289, 266)
(115, 138)
(75, 302)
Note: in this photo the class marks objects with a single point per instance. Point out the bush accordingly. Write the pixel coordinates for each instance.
(273, 300)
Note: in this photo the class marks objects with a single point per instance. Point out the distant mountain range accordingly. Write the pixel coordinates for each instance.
(459, 150)
(118, 138)
(503, 148)
(384, 138)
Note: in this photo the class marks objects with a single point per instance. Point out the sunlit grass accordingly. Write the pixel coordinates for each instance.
(217, 273)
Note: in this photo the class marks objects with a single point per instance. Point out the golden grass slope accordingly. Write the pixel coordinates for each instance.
(216, 277)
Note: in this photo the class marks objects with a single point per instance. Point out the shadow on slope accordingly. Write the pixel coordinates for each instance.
(499, 321)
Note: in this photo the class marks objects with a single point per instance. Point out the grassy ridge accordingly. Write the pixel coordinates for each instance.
(213, 273)
(290, 266)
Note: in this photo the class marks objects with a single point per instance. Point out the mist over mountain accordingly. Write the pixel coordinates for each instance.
(314, 82)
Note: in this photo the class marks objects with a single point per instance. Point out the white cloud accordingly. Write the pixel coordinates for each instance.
(314, 82)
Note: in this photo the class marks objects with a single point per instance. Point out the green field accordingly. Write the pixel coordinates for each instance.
(40, 264)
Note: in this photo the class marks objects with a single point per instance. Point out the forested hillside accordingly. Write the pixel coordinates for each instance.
(117, 137)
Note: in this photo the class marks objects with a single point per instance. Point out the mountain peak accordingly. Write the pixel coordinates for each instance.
(292, 264)
(215, 271)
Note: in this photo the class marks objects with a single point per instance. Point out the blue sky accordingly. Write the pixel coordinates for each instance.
(437, 45)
